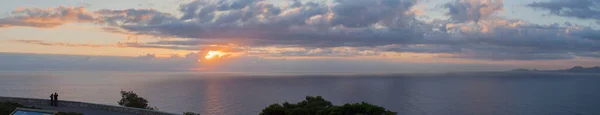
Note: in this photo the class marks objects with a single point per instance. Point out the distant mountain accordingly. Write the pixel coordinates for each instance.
(579, 69)
(523, 69)
(576, 69)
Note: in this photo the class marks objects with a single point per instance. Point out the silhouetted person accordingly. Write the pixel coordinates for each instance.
(52, 99)
(55, 99)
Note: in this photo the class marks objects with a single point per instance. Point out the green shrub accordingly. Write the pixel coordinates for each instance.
(8, 107)
(131, 99)
(319, 106)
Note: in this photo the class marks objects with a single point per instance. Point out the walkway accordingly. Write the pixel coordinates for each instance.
(85, 111)
(82, 107)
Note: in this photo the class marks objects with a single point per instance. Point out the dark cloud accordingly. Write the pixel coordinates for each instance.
(590, 54)
(582, 9)
(424, 48)
(513, 56)
(588, 33)
(364, 13)
(133, 17)
(472, 10)
(507, 40)
(307, 24)
(382, 25)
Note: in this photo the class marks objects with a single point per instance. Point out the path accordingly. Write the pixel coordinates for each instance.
(81, 110)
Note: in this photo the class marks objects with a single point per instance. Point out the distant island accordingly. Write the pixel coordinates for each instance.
(576, 69)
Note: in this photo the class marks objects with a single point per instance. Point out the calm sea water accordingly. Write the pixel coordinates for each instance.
(410, 94)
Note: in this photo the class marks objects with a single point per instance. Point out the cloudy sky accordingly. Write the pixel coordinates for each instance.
(371, 36)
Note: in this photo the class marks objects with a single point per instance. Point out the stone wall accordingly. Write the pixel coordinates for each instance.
(74, 104)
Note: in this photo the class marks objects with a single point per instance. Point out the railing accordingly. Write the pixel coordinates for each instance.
(74, 104)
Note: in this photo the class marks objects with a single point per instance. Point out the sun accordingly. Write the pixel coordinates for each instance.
(214, 54)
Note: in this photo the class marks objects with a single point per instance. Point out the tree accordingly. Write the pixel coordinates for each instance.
(131, 99)
(319, 106)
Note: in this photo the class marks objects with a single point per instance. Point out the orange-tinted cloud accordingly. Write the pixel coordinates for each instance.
(44, 43)
(47, 18)
(53, 17)
(119, 45)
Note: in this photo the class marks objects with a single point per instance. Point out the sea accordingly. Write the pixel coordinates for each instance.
(469, 93)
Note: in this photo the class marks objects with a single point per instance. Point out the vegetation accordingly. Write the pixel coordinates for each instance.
(68, 113)
(319, 106)
(8, 107)
(131, 99)
(190, 113)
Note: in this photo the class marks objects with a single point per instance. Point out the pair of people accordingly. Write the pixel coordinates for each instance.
(54, 99)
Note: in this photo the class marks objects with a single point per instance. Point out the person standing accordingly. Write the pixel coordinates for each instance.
(55, 99)
(51, 99)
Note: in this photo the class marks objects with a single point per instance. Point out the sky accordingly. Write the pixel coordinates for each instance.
(363, 36)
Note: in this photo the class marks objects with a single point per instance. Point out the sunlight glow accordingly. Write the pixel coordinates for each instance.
(214, 54)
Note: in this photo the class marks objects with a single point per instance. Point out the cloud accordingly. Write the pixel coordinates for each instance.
(46, 18)
(308, 52)
(172, 47)
(257, 23)
(120, 45)
(582, 9)
(423, 48)
(44, 43)
(351, 28)
(500, 39)
(53, 17)
(133, 17)
(591, 54)
(150, 63)
(513, 40)
(473, 10)
(54, 62)
(352, 13)
(309, 24)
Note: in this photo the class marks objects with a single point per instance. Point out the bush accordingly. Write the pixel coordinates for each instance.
(8, 107)
(319, 106)
(131, 99)
(360, 108)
